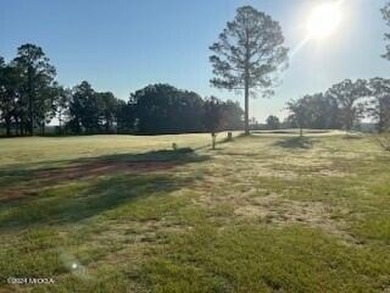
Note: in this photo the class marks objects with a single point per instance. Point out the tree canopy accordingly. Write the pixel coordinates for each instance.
(344, 105)
(273, 122)
(379, 105)
(162, 108)
(248, 54)
(386, 16)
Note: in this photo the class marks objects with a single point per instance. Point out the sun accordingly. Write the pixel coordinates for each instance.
(324, 20)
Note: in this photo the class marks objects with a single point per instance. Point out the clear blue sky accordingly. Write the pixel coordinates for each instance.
(123, 45)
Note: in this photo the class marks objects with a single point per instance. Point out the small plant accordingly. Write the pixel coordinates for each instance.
(174, 146)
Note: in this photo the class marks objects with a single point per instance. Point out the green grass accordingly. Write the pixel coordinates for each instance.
(267, 213)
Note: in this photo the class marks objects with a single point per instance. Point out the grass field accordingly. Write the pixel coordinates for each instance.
(265, 213)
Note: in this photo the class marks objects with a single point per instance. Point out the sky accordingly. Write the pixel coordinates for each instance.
(124, 45)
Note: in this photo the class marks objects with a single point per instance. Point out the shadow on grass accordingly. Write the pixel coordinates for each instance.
(295, 143)
(352, 137)
(290, 132)
(252, 135)
(220, 141)
(66, 205)
(19, 183)
(126, 179)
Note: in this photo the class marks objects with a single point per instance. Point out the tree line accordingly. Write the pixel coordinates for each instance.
(344, 105)
(247, 56)
(30, 98)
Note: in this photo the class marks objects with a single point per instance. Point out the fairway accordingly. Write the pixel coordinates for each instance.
(271, 212)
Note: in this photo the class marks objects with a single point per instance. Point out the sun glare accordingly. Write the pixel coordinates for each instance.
(324, 20)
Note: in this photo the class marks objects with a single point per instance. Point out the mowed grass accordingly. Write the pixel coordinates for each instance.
(265, 213)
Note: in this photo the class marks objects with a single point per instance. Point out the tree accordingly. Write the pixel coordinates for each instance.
(125, 117)
(379, 106)
(248, 54)
(348, 95)
(162, 108)
(323, 111)
(386, 16)
(36, 76)
(93, 112)
(64, 96)
(108, 111)
(82, 109)
(299, 113)
(233, 114)
(188, 113)
(152, 107)
(45, 108)
(6, 95)
(9, 95)
(273, 122)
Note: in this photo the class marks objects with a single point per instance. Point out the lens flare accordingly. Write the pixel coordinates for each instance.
(324, 20)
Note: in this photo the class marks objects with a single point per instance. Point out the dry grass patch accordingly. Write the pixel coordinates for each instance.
(275, 210)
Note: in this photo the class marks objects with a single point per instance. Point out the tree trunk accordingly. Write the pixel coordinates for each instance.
(246, 106)
(8, 130)
(21, 127)
(213, 140)
(60, 122)
(30, 102)
(17, 126)
(8, 125)
(31, 125)
(246, 82)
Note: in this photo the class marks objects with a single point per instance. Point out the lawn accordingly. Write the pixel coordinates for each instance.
(265, 213)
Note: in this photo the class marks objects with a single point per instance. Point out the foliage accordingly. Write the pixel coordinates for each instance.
(125, 118)
(379, 106)
(9, 95)
(31, 98)
(386, 16)
(36, 76)
(232, 116)
(348, 94)
(300, 112)
(273, 122)
(162, 108)
(28, 90)
(343, 106)
(91, 111)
